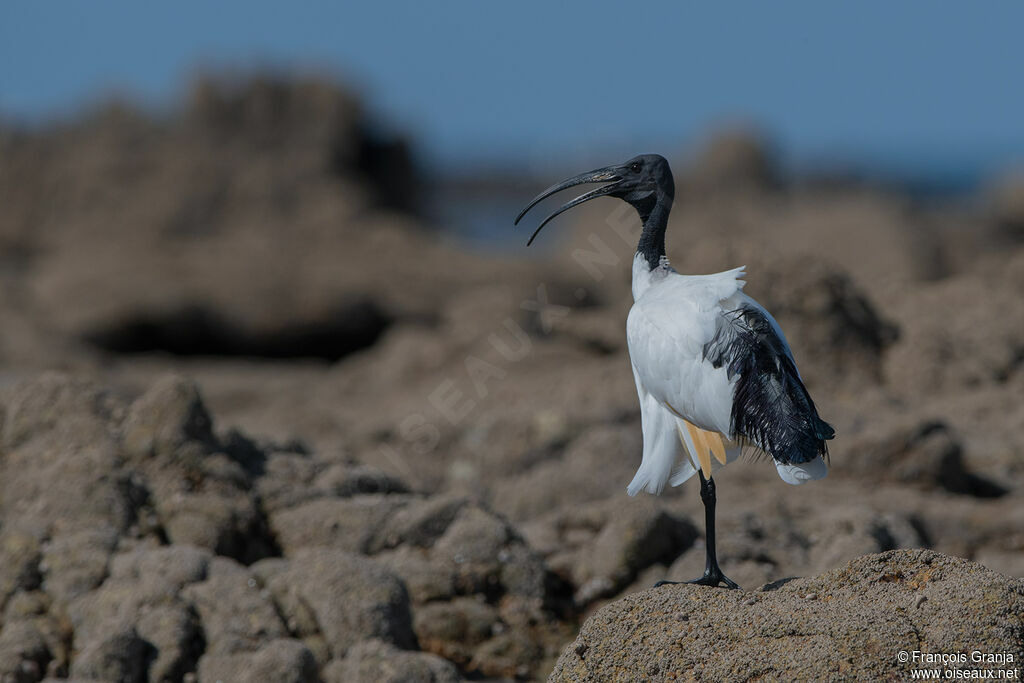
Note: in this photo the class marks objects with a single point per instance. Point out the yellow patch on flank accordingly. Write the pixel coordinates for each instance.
(717, 447)
(703, 451)
(706, 443)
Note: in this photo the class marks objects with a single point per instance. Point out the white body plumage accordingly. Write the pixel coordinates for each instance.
(684, 399)
(712, 367)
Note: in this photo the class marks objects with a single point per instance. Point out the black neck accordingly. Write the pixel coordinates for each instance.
(655, 220)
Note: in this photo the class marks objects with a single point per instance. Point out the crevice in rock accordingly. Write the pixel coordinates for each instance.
(196, 647)
(980, 487)
(259, 542)
(196, 330)
(559, 597)
(245, 452)
(918, 525)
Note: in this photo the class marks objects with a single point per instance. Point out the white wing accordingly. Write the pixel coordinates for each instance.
(666, 331)
(670, 330)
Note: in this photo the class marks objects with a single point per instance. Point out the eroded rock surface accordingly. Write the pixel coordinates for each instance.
(848, 623)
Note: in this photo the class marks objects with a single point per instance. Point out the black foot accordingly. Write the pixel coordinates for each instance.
(715, 577)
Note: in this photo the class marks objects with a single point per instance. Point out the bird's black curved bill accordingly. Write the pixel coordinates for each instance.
(600, 175)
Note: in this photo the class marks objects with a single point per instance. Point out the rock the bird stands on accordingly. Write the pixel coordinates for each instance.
(713, 370)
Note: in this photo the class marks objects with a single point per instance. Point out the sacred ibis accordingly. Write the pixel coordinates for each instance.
(713, 370)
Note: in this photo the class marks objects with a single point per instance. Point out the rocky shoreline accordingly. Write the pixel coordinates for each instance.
(259, 420)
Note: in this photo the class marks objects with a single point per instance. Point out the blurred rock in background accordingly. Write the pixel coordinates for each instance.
(300, 432)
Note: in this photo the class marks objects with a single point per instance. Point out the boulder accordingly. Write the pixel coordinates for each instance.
(202, 495)
(848, 623)
(143, 594)
(349, 597)
(283, 660)
(350, 524)
(120, 656)
(75, 563)
(237, 614)
(61, 469)
(599, 548)
(455, 629)
(24, 653)
(374, 661)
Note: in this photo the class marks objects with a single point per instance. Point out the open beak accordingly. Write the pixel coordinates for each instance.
(601, 175)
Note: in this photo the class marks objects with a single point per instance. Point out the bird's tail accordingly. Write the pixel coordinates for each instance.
(771, 406)
(797, 474)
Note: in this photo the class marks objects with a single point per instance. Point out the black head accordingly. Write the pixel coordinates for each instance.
(643, 181)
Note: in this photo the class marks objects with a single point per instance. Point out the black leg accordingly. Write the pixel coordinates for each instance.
(713, 575)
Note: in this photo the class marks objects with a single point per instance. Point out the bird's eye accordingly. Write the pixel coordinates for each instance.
(635, 167)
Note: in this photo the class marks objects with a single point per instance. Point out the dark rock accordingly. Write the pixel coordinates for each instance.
(281, 660)
(373, 661)
(121, 657)
(487, 556)
(426, 579)
(508, 655)
(287, 481)
(201, 496)
(601, 547)
(351, 524)
(24, 654)
(143, 593)
(77, 562)
(194, 330)
(831, 324)
(237, 614)
(923, 454)
(168, 417)
(62, 470)
(633, 538)
(423, 521)
(33, 615)
(455, 629)
(160, 572)
(55, 405)
(177, 637)
(1006, 205)
(229, 526)
(352, 480)
(375, 606)
(20, 556)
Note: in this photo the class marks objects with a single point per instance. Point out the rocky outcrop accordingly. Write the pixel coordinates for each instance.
(848, 623)
(179, 565)
(418, 461)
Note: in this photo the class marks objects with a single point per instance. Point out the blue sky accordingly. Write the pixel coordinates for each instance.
(903, 82)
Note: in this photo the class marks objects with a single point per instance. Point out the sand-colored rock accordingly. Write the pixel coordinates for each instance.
(299, 434)
(849, 623)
